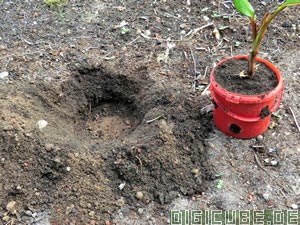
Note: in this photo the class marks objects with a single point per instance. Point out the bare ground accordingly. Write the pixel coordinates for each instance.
(124, 108)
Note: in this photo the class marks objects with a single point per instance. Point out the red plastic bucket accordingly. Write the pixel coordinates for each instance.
(240, 115)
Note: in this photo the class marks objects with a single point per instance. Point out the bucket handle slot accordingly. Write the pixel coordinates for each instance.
(246, 119)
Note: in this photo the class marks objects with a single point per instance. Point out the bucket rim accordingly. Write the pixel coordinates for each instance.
(242, 98)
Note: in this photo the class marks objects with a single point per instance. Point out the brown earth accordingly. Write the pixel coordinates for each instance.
(127, 112)
(232, 75)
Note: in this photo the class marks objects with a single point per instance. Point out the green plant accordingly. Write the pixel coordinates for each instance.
(124, 30)
(258, 32)
(220, 184)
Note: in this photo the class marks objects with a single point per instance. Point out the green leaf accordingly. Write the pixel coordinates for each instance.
(290, 3)
(220, 184)
(244, 7)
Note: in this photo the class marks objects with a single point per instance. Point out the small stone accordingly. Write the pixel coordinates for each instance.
(260, 138)
(11, 207)
(69, 209)
(68, 169)
(206, 18)
(28, 134)
(8, 128)
(266, 196)
(147, 32)
(287, 23)
(2, 160)
(140, 211)
(274, 162)
(263, 3)
(294, 206)
(182, 26)
(49, 147)
(272, 150)
(6, 218)
(120, 202)
(195, 171)
(41, 124)
(4, 75)
(121, 186)
(28, 213)
(107, 222)
(92, 213)
(139, 195)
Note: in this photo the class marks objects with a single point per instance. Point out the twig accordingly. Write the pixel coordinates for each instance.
(140, 161)
(205, 90)
(259, 163)
(295, 119)
(28, 42)
(207, 109)
(191, 34)
(156, 118)
(195, 70)
(134, 40)
(170, 15)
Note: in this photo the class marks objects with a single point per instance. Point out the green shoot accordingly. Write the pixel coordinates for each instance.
(245, 8)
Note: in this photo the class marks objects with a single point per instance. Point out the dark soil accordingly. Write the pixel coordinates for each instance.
(228, 76)
(123, 87)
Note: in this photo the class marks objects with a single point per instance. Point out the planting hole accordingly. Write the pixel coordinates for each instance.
(264, 112)
(108, 104)
(234, 128)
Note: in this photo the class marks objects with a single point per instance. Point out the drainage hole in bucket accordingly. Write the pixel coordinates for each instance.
(265, 112)
(234, 128)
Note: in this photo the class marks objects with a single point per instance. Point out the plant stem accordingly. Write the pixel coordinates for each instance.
(258, 39)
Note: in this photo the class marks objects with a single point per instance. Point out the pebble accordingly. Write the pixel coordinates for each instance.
(42, 124)
(139, 195)
(260, 138)
(274, 162)
(140, 211)
(92, 213)
(49, 147)
(195, 171)
(272, 150)
(4, 75)
(68, 169)
(28, 213)
(6, 218)
(294, 206)
(266, 196)
(206, 18)
(287, 23)
(182, 26)
(11, 207)
(121, 186)
(106, 222)
(69, 209)
(120, 202)
(147, 32)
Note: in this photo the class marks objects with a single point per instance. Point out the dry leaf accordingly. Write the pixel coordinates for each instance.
(216, 33)
(242, 74)
(122, 24)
